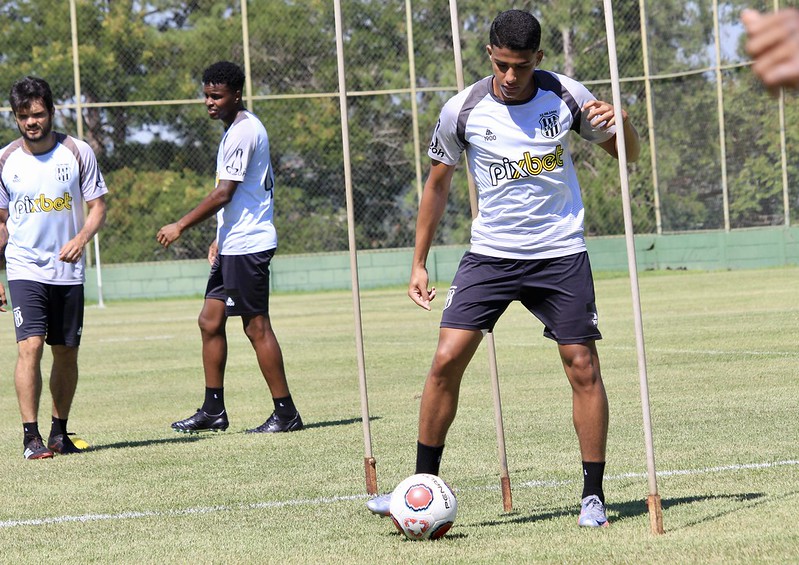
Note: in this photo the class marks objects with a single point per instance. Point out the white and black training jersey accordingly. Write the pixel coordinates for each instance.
(518, 153)
(245, 225)
(44, 197)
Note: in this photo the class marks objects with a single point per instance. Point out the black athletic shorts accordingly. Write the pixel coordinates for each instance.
(559, 292)
(241, 282)
(50, 310)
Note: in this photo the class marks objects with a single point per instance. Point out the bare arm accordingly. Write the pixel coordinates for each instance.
(3, 229)
(210, 205)
(72, 251)
(431, 208)
(599, 112)
(3, 241)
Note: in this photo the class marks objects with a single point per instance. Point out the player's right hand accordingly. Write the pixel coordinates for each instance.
(418, 290)
(168, 234)
(2, 298)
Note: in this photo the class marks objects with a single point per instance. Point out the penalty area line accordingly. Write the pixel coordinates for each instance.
(334, 499)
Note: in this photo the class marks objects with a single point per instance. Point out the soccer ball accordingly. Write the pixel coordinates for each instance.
(423, 507)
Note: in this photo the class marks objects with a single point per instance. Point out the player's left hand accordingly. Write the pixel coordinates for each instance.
(601, 115)
(168, 234)
(72, 250)
(417, 289)
(213, 252)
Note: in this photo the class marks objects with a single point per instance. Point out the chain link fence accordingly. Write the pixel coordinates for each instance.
(718, 152)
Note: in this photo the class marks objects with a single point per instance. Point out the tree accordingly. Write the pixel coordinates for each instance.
(140, 68)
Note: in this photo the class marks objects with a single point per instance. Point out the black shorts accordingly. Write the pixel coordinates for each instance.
(50, 310)
(559, 292)
(241, 282)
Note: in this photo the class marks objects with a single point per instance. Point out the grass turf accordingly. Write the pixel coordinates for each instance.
(722, 359)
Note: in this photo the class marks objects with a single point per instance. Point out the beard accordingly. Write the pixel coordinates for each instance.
(38, 133)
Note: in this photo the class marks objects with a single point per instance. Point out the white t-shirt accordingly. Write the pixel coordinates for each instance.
(528, 196)
(245, 225)
(44, 197)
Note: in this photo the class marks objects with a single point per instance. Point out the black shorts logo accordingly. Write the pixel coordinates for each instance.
(450, 294)
(592, 312)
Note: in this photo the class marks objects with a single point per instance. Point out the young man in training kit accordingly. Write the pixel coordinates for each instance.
(527, 241)
(238, 284)
(45, 179)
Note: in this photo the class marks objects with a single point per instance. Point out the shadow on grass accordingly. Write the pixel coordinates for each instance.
(331, 423)
(190, 438)
(636, 508)
(144, 443)
(394, 534)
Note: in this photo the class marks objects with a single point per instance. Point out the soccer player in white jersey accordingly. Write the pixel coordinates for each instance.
(238, 284)
(527, 240)
(45, 178)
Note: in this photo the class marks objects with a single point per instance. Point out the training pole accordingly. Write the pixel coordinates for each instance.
(653, 500)
(73, 20)
(504, 475)
(368, 460)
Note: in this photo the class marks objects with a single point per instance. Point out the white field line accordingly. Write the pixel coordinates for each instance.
(334, 499)
(129, 339)
(725, 352)
(664, 350)
(174, 512)
(661, 474)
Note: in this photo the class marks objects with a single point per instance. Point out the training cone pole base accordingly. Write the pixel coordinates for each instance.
(371, 474)
(655, 513)
(507, 497)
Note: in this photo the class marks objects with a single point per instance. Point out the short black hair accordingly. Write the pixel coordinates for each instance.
(516, 30)
(27, 89)
(224, 72)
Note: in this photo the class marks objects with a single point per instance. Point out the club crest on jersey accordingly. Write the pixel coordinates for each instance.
(418, 497)
(63, 172)
(550, 124)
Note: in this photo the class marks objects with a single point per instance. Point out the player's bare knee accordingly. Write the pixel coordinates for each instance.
(210, 327)
(31, 348)
(258, 329)
(583, 373)
(447, 366)
(585, 380)
(65, 354)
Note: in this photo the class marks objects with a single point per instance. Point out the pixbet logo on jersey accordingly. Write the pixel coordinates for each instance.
(41, 203)
(435, 147)
(527, 166)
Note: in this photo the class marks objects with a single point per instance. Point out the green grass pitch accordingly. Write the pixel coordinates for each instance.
(724, 389)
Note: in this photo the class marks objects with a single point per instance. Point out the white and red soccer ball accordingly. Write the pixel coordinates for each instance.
(423, 507)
